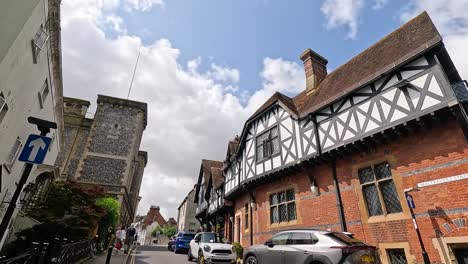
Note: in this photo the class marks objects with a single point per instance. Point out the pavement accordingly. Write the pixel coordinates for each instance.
(157, 255)
(101, 259)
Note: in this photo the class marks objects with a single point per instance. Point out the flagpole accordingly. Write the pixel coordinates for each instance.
(133, 76)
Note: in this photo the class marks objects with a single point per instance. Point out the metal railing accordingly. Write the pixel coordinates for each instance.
(57, 252)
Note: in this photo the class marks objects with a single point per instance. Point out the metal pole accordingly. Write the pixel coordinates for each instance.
(421, 243)
(19, 188)
(339, 205)
(109, 254)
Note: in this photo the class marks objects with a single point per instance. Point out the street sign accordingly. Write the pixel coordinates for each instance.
(35, 149)
(409, 199)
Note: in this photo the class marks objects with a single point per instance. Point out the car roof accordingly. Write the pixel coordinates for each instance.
(321, 231)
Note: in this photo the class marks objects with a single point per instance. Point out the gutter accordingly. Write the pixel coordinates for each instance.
(339, 203)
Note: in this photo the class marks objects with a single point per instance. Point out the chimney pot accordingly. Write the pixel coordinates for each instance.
(315, 67)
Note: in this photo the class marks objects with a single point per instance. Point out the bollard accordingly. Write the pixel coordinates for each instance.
(109, 254)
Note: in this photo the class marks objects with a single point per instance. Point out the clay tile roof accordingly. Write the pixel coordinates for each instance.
(286, 100)
(232, 145)
(414, 37)
(207, 165)
(217, 177)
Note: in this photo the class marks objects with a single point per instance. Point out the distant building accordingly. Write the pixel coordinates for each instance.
(172, 222)
(152, 220)
(104, 150)
(186, 220)
(30, 85)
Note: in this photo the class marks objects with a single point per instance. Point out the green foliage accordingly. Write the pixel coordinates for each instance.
(168, 231)
(237, 247)
(112, 207)
(70, 211)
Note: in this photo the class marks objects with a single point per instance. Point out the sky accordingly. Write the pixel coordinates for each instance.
(206, 66)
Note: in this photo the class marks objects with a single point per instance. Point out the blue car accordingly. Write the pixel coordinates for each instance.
(182, 241)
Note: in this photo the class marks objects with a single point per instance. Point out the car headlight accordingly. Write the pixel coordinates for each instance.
(207, 248)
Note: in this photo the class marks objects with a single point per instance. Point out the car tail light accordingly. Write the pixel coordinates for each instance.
(346, 250)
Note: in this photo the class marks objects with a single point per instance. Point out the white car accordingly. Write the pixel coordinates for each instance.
(209, 247)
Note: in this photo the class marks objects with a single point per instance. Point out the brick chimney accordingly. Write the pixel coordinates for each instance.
(315, 67)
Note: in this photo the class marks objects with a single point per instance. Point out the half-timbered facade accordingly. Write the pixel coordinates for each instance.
(340, 154)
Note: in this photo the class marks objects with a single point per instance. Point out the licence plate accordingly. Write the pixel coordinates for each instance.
(367, 258)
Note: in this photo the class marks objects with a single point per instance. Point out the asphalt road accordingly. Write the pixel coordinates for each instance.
(158, 255)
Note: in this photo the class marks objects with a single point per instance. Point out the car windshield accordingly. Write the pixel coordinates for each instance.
(188, 236)
(212, 238)
(346, 239)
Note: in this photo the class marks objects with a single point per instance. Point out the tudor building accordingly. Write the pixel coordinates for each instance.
(341, 154)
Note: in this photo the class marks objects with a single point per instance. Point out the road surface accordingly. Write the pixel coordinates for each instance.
(158, 255)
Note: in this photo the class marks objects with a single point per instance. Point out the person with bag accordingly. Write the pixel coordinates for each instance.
(120, 235)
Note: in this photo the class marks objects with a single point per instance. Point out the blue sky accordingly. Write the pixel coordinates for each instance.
(241, 33)
(207, 65)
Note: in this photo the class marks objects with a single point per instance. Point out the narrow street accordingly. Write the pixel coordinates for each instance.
(157, 255)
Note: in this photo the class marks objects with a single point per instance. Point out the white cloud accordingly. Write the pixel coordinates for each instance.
(346, 13)
(343, 13)
(224, 74)
(379, 4)
(141, 5)
(191, 113)
(451, 19)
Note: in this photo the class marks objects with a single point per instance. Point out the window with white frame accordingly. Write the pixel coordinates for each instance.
(43, 93)
(267, 144)
(379, 190)
(38, 42)
(3, 107)
(13, 154)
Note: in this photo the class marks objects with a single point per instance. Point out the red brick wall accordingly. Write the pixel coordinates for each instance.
(438, 153)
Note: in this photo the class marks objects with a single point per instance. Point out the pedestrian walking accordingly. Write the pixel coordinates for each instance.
(120, 238)
(130, 235)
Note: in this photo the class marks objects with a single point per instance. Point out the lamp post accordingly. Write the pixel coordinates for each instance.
(409, 200)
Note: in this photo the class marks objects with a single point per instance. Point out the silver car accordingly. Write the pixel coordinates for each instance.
(309, 246)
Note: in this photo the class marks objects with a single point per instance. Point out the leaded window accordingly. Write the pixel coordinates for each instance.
(267, 144)
(38, 42)
(43, 94)
(3, 107)
(13, 154)
(379, 190)
(397, 256)
(283, 206)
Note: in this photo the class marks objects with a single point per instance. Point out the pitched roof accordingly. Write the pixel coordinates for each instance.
(414, 37)
(206, 168)
(217, 177)
(154, 215)
(277, 96)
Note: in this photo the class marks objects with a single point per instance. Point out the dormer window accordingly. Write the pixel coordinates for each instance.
(267, 144)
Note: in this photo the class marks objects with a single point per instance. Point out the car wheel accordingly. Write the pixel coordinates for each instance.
(176, 250)
(201, 258)
(251, 260)
(189, 255)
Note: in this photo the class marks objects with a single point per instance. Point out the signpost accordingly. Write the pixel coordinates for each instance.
(409, 199)
(35, 149)
(34, 152)
(411, 205)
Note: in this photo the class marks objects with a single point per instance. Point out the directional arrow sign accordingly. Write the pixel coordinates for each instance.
(409, 199)
(35, 149)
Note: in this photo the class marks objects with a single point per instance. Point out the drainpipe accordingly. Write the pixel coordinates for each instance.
(252, 201)
(339, 204)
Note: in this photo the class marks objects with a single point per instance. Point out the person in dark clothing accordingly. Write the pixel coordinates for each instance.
(130, 236)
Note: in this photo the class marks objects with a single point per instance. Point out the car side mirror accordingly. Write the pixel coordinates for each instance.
(314, 240)
(197, 240)
(269, 243)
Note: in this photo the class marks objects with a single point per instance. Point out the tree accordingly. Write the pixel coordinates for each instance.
(169, 231)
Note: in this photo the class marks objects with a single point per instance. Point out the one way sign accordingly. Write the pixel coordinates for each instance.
(35, 149)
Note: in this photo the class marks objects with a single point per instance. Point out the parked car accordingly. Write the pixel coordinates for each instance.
(170, 244)
(305, 246)
(182, 241)
(210, 247)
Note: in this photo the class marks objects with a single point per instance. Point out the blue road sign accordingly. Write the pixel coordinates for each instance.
(410, 201)
(35, 149)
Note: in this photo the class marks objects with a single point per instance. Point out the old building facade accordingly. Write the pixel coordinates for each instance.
(30, 85)
(186, 221)
(105, 150)
(346, 152)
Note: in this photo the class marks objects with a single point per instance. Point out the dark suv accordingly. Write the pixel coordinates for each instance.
(308, 246)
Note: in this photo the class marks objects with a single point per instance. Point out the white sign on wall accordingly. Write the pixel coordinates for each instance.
(443, 180)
